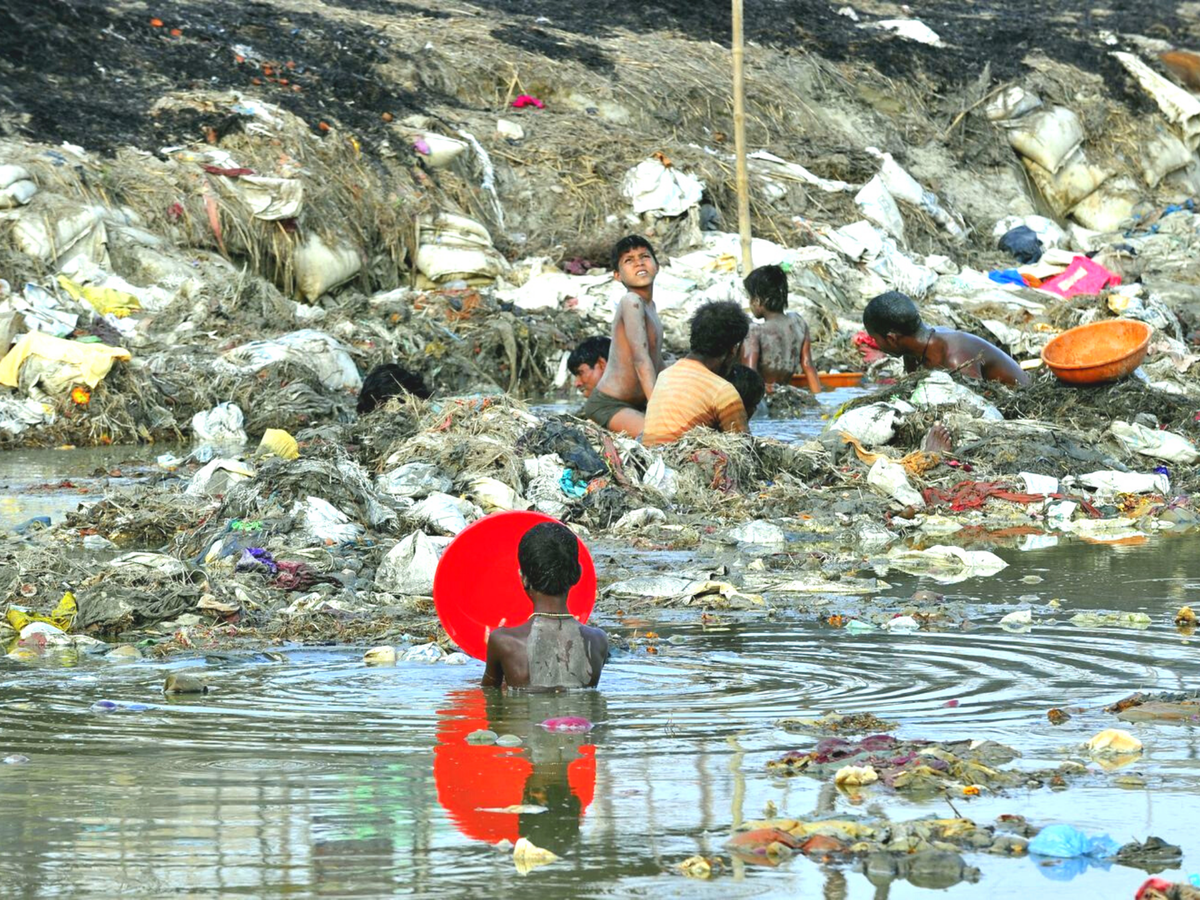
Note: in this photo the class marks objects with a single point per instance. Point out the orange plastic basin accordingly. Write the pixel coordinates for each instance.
(1099, 352)
(831, 379)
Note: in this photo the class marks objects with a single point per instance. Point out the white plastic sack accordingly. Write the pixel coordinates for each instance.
(415, 479)
(873, 424)
(1075, 180)
(325, 356)
(939, 389)
(945, 564)
(1039, 484)
(217, 477)
(1011, 103)
(1108, 483)
(60, 231)
(902, 273)
(445, 513)
(877, 204)
(271, 199)
(409, 566)
(443, 150)
(1181, 107)
(221, 425)
(654, 188)
(909, 29)
(1157, 444)
(1108, 208)
(890, 479)
(424, 653)
(16, 187)
(320, 268)
(1162, 155)
(455, 248)
(493, 495)
(758, 532)
(661, 478)
(1047, 137)
(323, 522)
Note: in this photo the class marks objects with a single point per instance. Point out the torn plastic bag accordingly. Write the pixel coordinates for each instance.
(57, 364)
(494, 495)
(415, 479)
(217, 477)
(447, 514)
(1154, 443)
(939, 389)
(323, 522)
(873, 424)
(1108, 483)
(17, 415)
(876, 203)
(220, 426)
(409, 566)
(946, 564)
(16, 186)
(326, 357)
(664, 191)
(890, 479)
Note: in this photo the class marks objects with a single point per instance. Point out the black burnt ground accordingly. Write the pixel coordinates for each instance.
(78, 71)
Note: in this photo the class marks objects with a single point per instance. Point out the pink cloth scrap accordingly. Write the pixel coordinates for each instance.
(525, 100)
(1082, 276)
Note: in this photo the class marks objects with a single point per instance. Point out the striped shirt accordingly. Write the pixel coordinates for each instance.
(686, 396)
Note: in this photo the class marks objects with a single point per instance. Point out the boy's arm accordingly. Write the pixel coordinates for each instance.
(806, 363)
(493, 673)
(634, 320)
(750, 349)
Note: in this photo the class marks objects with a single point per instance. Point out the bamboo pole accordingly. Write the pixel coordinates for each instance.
(739, 139)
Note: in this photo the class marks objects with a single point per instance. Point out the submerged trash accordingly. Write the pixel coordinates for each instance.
(528, 856)
(567, 725)
(1113, 741)
(1067, 842)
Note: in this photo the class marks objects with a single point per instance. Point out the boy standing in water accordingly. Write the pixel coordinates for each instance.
(551, 651)
(780, 346)
(618, 402)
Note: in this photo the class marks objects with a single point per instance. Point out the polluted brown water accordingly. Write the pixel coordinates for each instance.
(303, 772)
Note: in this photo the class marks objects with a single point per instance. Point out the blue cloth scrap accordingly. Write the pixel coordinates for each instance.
(1007, 276)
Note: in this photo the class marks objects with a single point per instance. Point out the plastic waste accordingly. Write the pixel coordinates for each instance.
(16, 186)
(1075, 180)
(661, 478)
(853, 776)
(939, 389)
(58, 364)
(221, 425)
(758, 532)
(640, 518)
(1108, 483)
(415, 479)
(104, 300)
(1039, 484)
(890, 479)
(909, 29)
(326, 357)
(946, 564)
(1113, 741)
(654, 188)
(445, 513)
(60, 232)
(876, 203)
(1154, 443)
(320, 268)
(1011, 103)
(277, 442)
(217, 477)
(1181, 107)
(567, 725)
(528, 856)
(1022, 244)
(409, 566)
(424, 653)
(452, 248)
(60, 617)
(1067, 841)
(324, 522)
(18, 415)
(1110, 206)
(1047, 136)
(494, 495)
(1047, 231)
(380, 656)
(874, 424)
(901, 623)
(1017, 619)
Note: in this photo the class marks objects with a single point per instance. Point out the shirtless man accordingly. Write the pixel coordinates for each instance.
(780, 346)
(618, 402)
(894, 323)
(551, 651)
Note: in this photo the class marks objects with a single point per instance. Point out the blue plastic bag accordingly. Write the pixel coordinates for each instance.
(1068, 842)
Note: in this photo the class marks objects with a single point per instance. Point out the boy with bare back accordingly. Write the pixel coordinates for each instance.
(618, 402)
(780, 346)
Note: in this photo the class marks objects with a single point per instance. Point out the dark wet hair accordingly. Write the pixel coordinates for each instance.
(588, 353)
(387, 381)
(749, 385)
(549, 558)
(769, 286)
(717, 328)
(892, 312)
(627, 243)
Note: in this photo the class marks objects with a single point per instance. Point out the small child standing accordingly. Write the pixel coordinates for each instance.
(780, 346)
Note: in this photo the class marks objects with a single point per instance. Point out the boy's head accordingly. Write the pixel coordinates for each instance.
(387, 381)
(889, 317)
(718, 329)
(634, 263)
(588, 361)
(549, 559)
(768, 289)
(749, 385)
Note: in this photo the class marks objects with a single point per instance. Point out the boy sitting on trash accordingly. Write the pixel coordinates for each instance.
(618, 401)
(893, 322)
(780, 346)
(693, 392)
(587, 363)
(550, 651)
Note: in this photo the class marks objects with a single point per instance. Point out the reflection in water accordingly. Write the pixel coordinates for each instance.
(552, 770)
